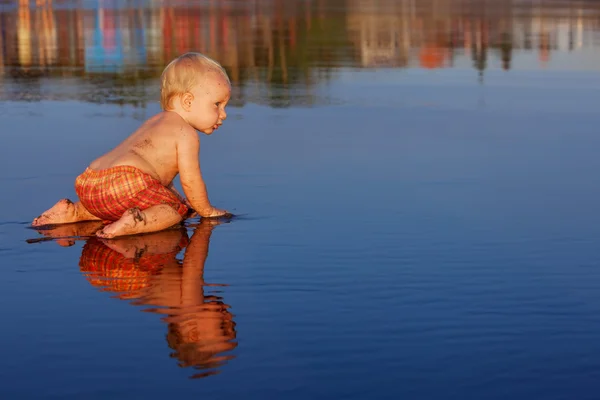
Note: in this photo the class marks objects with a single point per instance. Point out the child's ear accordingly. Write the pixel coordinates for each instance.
(186, 101)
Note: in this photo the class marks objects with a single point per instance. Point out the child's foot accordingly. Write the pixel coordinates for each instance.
(61, 213)
(127, 225)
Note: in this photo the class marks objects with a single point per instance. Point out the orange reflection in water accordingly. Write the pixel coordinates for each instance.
(144, 270)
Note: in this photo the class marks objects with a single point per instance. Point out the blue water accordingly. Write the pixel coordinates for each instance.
(401, 233)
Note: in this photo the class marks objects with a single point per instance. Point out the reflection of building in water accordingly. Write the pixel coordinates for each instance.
(36, 34)
(381, 39)
(275, 50)
(24, 33)
(154, 35)
(402, 33)
(2, 44)
(115, 38)
(432, 33)
(37, 38)
(70, 43)
(45, 39)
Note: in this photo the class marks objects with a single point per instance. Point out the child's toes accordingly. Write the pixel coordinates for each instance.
(102, 234)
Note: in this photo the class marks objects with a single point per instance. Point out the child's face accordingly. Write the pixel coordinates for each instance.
(207, 111)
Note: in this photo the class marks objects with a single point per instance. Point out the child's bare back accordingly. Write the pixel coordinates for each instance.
(131, 186)
(152, 148)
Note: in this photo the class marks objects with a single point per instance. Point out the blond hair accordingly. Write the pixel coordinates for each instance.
(182, 74)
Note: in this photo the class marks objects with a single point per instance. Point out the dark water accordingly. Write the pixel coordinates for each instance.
(417, 185)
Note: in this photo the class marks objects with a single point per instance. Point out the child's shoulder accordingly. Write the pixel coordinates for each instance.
(171, 124)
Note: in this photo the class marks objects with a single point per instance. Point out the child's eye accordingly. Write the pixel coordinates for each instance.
(217, 104)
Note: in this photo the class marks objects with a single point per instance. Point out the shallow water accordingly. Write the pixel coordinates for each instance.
(416, 191)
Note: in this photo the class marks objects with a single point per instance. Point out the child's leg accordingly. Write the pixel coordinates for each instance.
(134, 221)
(64, 212)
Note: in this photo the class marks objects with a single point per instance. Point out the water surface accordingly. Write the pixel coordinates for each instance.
(416, 185)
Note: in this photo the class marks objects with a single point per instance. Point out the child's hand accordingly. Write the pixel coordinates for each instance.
(214, 213)
(218, 213)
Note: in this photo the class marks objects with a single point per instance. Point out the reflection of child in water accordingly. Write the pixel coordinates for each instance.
(145, 269)
(128, 266)
(200, 326)
(198, 337)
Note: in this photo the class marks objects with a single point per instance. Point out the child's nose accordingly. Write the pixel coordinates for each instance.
(223, 115)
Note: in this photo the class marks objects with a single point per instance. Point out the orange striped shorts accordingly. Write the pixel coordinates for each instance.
(111, 271)
(110, 192)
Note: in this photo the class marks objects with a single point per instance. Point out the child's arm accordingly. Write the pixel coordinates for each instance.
(188, 149)
(181, 198)
(172, 188)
